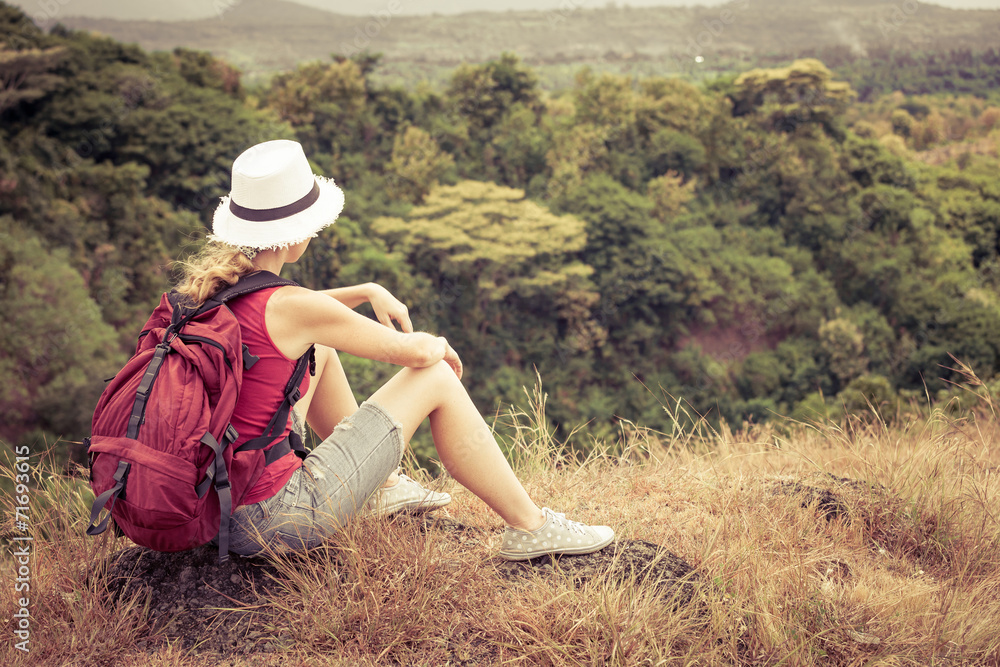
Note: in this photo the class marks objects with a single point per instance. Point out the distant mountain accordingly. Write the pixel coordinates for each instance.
(123, 10)
(190, 10)
(262, 36)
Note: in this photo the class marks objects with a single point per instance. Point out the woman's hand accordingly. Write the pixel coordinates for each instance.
(388, 308)
(451, 356)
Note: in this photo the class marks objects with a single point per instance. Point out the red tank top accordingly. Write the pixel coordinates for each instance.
(262, 392)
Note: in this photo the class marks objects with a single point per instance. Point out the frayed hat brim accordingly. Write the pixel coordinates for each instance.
(229, 228)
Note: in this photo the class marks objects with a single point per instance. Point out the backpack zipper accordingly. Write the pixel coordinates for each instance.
(207, 341)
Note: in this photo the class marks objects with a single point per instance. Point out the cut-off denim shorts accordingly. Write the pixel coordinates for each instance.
(334, 482)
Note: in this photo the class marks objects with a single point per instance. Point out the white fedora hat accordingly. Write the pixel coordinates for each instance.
(276, 200)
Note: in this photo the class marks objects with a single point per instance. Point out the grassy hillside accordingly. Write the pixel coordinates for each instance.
(811, 545)
(264, 36)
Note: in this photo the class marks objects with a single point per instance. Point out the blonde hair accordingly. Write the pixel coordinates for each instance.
(216, 267)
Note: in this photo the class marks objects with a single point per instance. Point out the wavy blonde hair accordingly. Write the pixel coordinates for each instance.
(216, 267)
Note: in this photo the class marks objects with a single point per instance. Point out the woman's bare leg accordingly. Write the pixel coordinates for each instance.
(329, 398)
(462, 438)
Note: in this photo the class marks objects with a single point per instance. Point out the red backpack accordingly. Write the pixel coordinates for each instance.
(161, 455)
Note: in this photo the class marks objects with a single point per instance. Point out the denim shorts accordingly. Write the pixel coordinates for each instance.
(334, 482)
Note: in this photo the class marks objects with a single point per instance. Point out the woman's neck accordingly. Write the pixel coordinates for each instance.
(270, 260)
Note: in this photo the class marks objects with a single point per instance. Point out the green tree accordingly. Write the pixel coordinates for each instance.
(670, 195)
(481, 95)
(786, 97)
(516, 155)
(417, 164)
(844, 345)
(26, 75)
(55, 349)
(575, 154)
(506, 281)
(491, 237)
(325, 102)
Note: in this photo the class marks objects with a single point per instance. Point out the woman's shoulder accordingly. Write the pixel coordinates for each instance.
(292, 298)
(255, 301)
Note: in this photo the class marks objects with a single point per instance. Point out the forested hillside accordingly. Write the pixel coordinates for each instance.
(762, 243)
(264, 36)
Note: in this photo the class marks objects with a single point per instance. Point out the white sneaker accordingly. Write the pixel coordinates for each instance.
(405, 496)
(558, 535)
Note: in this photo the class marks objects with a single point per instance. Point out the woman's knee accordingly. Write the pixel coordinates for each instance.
(419, 391)
(424, 388)
(441, 376)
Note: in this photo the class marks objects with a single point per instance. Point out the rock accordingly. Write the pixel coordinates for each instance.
(863, 638)
(829, 498)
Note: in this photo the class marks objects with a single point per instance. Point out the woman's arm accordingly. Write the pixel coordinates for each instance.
(297, 318)
(387, 307)
(352, 296)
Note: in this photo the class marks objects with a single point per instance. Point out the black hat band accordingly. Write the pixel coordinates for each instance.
(270, 214)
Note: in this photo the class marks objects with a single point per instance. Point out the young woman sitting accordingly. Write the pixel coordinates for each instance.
(275, 207)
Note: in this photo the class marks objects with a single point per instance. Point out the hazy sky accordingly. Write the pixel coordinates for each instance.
(182, 9)
(456, 6)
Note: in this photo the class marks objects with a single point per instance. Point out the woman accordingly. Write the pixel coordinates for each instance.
(276, 206)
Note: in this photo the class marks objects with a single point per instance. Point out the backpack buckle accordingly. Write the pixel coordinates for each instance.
(249, 358)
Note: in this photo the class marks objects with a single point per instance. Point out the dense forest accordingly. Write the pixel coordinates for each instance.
(766, 242)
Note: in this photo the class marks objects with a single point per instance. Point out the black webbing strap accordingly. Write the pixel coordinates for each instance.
(112, 494)
(145, 386)
(251, 283)
(221, 477)
(245, 285)
(228, 438)
(280, 418)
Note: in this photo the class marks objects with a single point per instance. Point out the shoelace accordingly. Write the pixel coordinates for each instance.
(559, 518)
(427, 493)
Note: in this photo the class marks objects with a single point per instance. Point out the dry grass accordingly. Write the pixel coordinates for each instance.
(907, 572)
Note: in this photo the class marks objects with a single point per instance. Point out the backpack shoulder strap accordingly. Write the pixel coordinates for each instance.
(305, 364)
(245, 285)
(251, 283)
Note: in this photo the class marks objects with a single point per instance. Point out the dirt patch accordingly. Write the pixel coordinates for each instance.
(207, 606)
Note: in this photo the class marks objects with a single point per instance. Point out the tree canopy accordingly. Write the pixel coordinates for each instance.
(766, 243)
